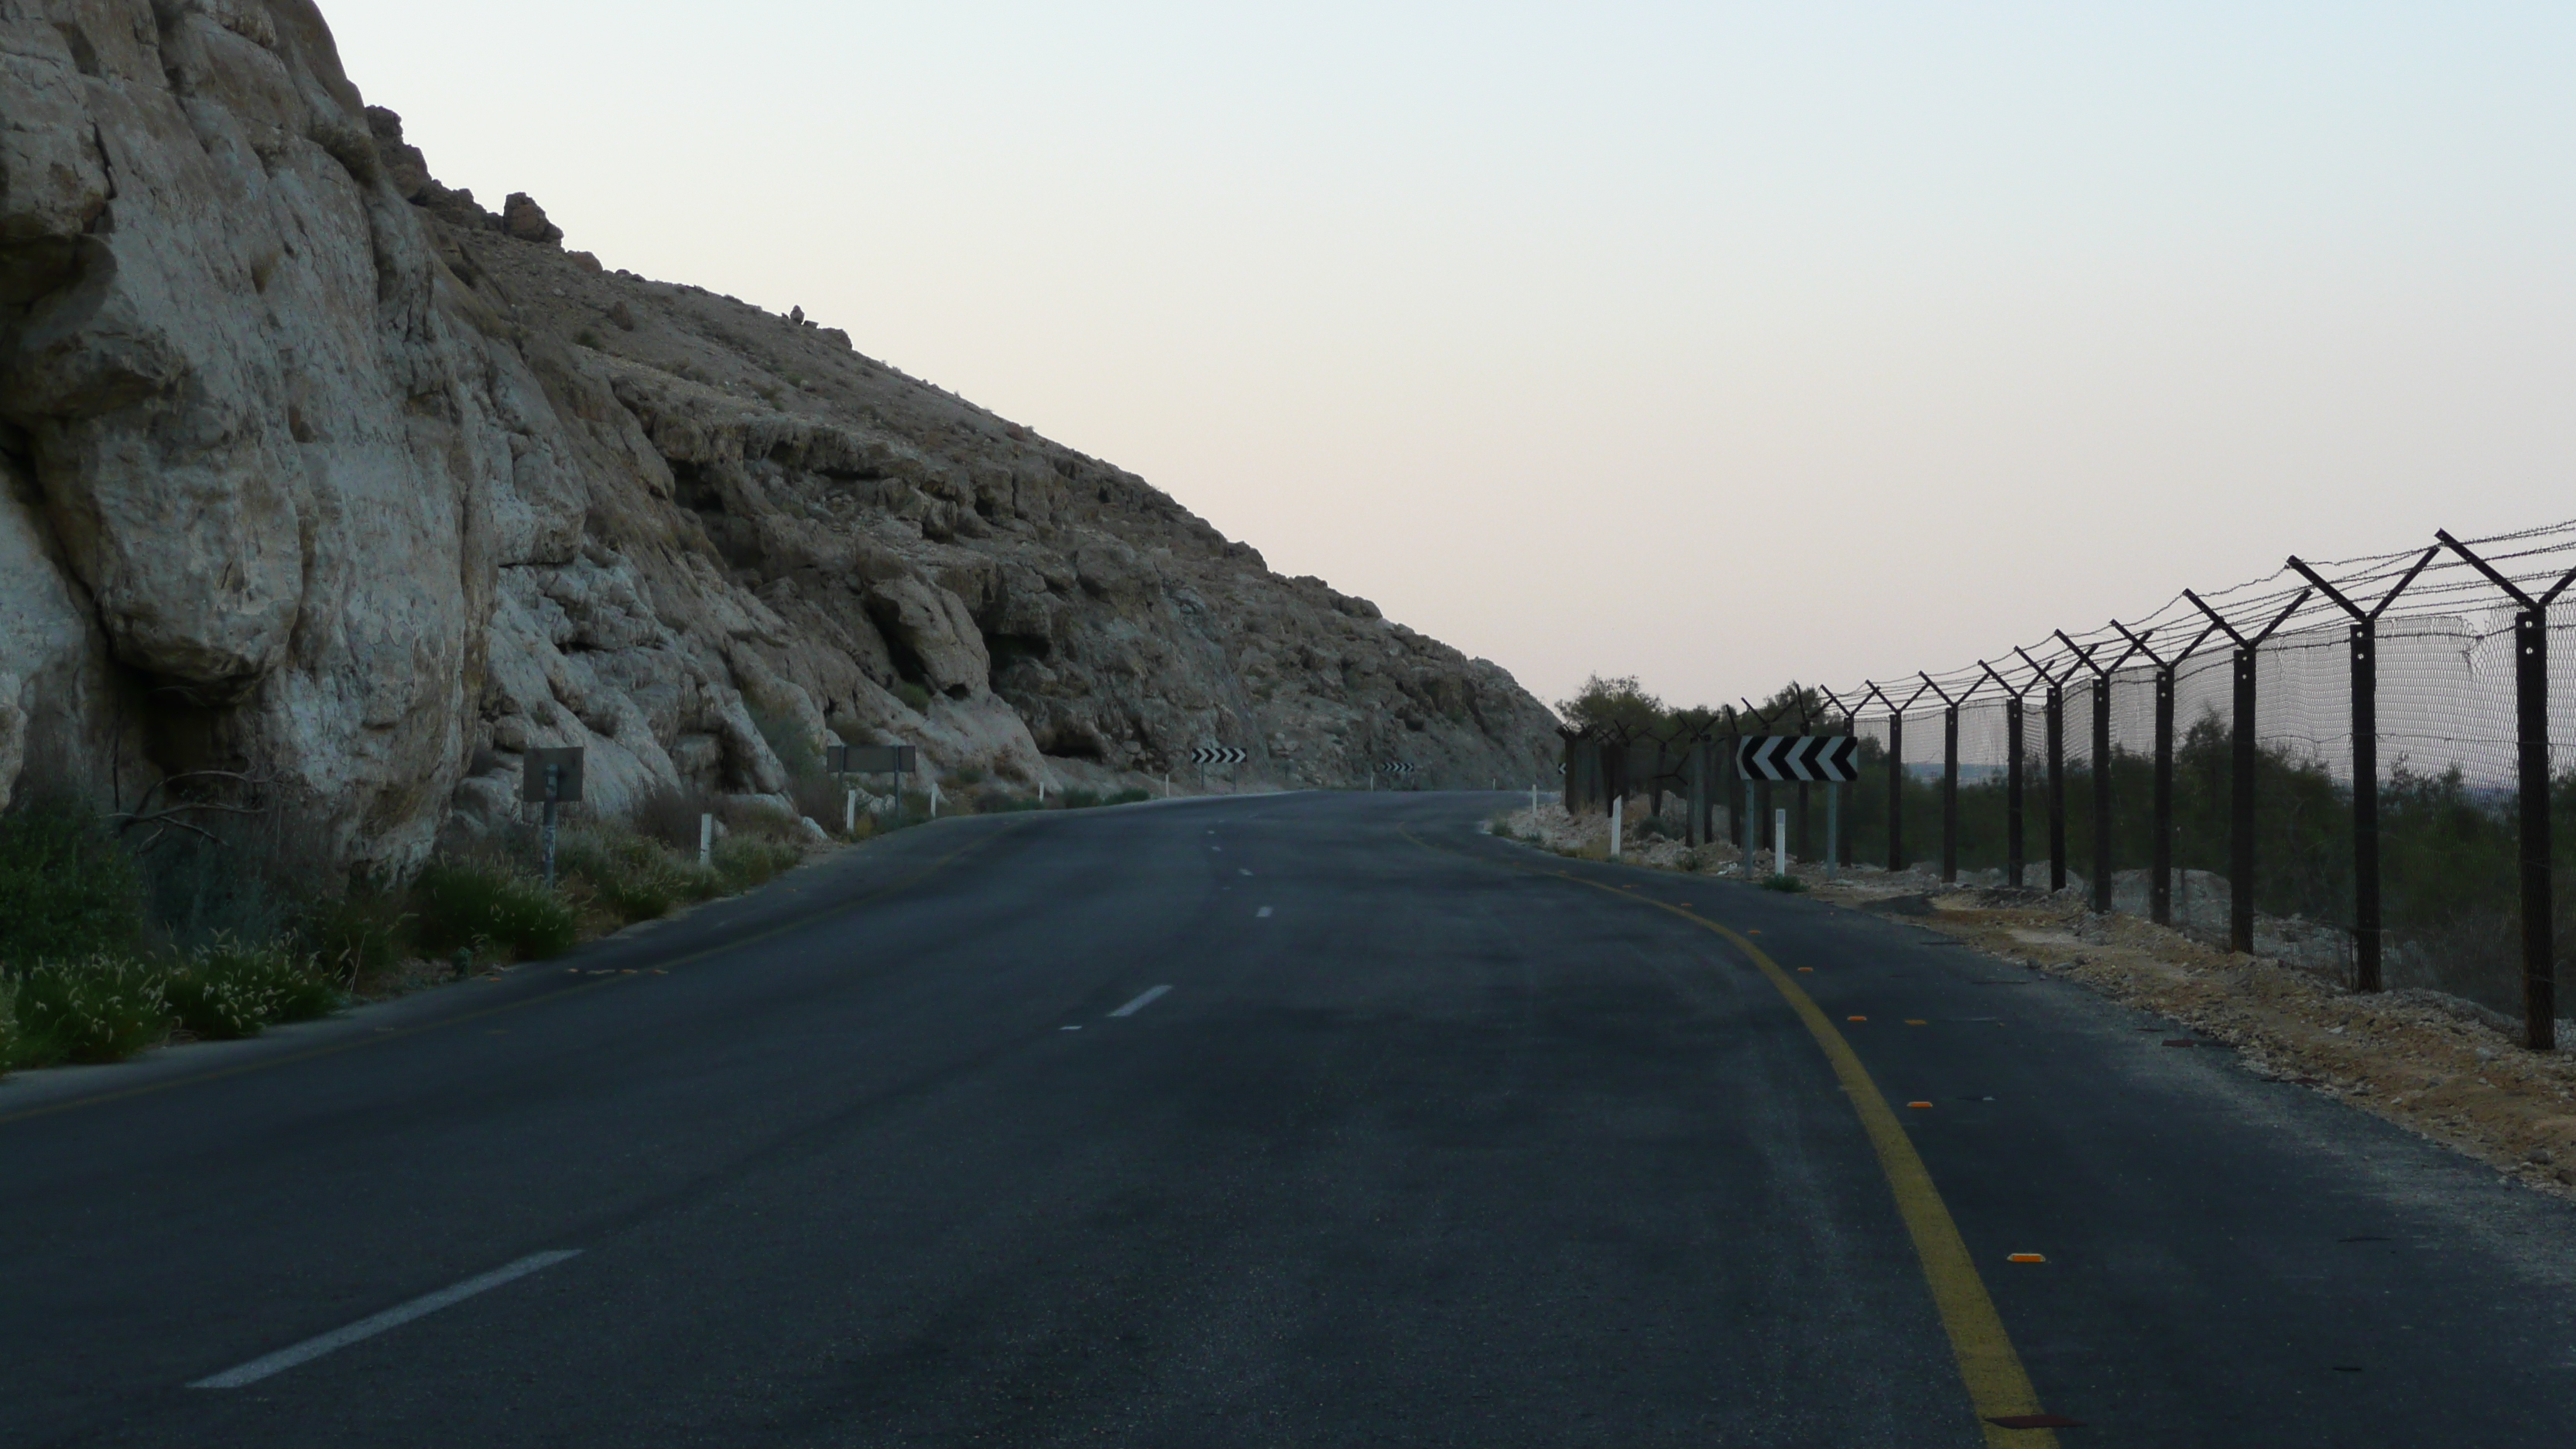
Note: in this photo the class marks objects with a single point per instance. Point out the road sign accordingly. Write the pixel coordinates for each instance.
(1798, 757)
(1398, 767)
(872, 759)
(551, 775)
(1217, 755)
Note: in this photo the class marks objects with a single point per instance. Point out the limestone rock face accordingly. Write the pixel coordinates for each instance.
(317, 476)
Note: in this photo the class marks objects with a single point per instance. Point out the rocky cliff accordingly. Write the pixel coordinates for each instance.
(326, 484)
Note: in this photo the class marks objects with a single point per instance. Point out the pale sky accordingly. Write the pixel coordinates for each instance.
(1717, 344)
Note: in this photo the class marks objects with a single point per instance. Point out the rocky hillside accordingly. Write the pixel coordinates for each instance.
(328, 489)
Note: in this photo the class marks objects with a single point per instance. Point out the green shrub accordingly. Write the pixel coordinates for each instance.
(634, 878)
(9, 1040)
(228, 989)
(66, 890)
(1500, 827)
(1129, 796)
(98, 1008)
(482, 905)
(744, 861)
(1079, 799)
(966, 775)
(1788, 883)
(360, 933)
(915, 697)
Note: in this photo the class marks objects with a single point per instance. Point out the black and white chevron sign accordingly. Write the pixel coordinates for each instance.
(1216, 755)
(1798, 757)
(1398, 767)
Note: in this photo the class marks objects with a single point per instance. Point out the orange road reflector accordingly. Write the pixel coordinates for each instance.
(1918, 1104)
(1806, 968)
(1855, 1018)
(2025, 1258)
(1916, 1021)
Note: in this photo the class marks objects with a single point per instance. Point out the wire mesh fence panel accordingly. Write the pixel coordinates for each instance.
(2428, 823)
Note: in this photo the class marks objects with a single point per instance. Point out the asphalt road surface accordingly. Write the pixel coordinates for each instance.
(1312, 1119)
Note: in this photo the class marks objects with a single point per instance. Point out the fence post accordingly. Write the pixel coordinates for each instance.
(2244, 758)
(2367, 936)
(2531, 763)
(1895, 787)
(2102, 791)
(2160, 853)
(2055, 705)
(2012, 777)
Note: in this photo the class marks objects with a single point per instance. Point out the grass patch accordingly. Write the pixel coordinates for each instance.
(94, 1009)
(66, 890)
(629, 876)
(484, 906)
(229, 990)
(744, 861)
(1789, 884)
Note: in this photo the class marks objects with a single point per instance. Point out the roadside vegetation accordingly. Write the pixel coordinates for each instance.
(115, 939)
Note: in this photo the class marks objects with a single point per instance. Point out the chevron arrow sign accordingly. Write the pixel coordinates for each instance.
(1216, 755)
(1398, 767)
(1798, 757)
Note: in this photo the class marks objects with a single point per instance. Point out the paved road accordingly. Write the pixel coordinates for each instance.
(1431, 1140)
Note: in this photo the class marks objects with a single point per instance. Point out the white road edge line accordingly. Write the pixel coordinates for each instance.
(365, 1328)
(1144, 998)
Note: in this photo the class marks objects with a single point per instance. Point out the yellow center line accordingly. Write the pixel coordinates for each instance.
(1998, 1386)
(397, 1034)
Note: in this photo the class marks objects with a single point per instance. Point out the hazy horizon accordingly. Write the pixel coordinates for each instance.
(1717, 345)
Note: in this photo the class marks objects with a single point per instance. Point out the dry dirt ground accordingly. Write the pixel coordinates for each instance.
(2434, 1064)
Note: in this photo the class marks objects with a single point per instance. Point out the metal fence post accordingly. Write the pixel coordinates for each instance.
(2055, 706)
(2531, 700)
(2531, 763)
(2053, 712)
(2102, 791)
(1895, 787)
(2367, 940)
(2245, 759)
(2012, 777)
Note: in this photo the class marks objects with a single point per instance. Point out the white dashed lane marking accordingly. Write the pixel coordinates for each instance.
(1144, 999)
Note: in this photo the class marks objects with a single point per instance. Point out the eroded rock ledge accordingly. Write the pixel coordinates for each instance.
(315, 471)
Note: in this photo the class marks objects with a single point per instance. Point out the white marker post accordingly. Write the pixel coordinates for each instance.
(1615, 803)
(706, 840)
(850, 815)
(934, 799)
(1780, 839)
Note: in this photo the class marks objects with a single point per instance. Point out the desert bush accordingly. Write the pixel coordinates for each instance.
(632, 876)
(98, 1008)
(1786, 883)
(483, 905)
(230, 989)
(1500, 827)
(358, 934)
(966, 776)
(744, 861)
(8, 1024)
(915, 697)
(1129, 796)
(759, 818)
(66, 889)
(669, 814)
(822, 799)
(1079, 799)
